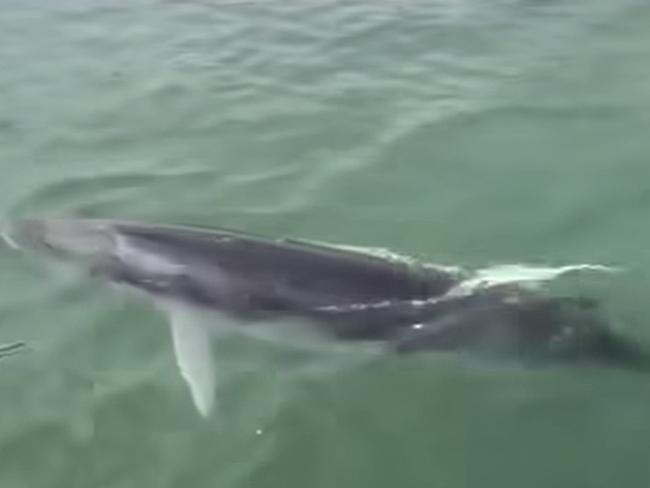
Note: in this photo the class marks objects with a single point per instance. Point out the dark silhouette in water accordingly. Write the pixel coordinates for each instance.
(353, 295)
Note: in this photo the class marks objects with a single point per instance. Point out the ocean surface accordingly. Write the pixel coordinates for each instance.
(460, 132)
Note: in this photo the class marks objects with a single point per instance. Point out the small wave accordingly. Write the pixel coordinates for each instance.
(529, 276)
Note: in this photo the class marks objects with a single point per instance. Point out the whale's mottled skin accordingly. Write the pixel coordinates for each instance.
(352, 295)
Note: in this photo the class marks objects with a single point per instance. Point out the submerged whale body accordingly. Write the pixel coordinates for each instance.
(349, 294)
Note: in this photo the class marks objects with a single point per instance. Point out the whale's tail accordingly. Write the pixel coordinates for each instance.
(533, 327)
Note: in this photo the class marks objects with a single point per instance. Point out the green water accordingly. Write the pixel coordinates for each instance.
(460, 131)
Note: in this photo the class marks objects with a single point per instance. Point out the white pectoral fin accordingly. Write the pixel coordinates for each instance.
(195, 361)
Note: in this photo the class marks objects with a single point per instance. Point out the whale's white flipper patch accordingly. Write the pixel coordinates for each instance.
(194, 357)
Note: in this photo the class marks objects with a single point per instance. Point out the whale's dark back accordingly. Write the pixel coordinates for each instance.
(292, 275)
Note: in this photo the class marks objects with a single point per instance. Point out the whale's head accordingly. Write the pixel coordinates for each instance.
(71, 238)
(124, 254)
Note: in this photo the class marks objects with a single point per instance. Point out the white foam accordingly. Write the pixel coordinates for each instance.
(530, 276)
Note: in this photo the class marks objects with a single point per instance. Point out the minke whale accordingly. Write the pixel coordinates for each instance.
(349, 294)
